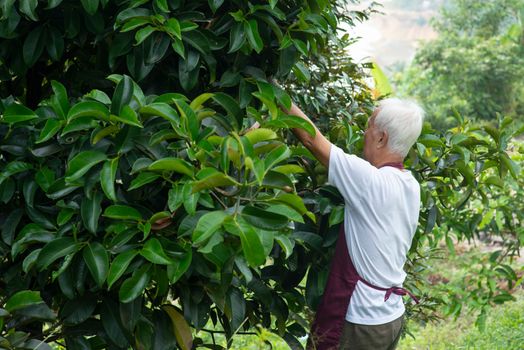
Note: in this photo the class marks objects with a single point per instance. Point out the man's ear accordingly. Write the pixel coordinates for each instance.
(382, 139)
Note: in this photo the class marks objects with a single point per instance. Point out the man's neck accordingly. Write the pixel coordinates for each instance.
(387, 159)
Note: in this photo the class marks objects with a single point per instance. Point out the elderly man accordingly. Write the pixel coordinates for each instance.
(362, 306)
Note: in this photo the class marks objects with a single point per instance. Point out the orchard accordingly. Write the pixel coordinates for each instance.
(138, 207)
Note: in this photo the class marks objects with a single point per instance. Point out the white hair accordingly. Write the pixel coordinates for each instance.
(402, 120)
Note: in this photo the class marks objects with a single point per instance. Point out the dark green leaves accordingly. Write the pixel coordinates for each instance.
(253, 36)
(97, 260)
(90, 6)
(133, 287)
(91, 109)
(154, 252)
(33, 46)
(264, 219)
(119, 266)
(90, 210)
(207, 225)
(123, 95)
(107, 178)
(54, 250)
(172, 164)
(81, 163)
(122, 212)
(22, 299)
(16, 113)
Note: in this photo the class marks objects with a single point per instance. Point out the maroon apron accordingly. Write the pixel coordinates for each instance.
(343, 277)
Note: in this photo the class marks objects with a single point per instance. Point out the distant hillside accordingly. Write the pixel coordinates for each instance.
(390, 38)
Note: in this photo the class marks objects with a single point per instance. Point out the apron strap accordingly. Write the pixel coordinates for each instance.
(395, 290)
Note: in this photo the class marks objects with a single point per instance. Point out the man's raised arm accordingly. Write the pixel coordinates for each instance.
(318, 144)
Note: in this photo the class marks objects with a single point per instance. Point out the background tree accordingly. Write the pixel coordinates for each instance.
(474, 66)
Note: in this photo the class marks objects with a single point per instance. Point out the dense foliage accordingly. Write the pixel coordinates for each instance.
(135, 204)
(474, 67)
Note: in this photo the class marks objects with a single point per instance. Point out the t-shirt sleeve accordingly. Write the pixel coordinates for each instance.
(349, 174)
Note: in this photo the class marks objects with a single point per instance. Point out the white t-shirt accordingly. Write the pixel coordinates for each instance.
(380, 218)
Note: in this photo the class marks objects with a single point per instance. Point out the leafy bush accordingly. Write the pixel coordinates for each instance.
(138, 208)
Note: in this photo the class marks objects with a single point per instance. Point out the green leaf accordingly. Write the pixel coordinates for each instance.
(122, 212)
(112, 324)
(54, 250)
(197, 40)
(128, 116)
(208, 224)
(13, 168)
(78, 310)
(88, 109)
(301, 72)
(84, 123)
(162, 110)
(289, 169)
(273, 179)
(237, 37)
(59, 100)
(173, 28)
(261, 134)
(123, 94)
(90, 210)
(55, 44)
(119, 266)
(513, 167)
(143, 179)
(269, 103)
(81, 163)
(10, 224)
(172, 164)
(189, 118)
(231, 106)
(179, 48)
(253, 36)
(264, 219)
(177, 269)
(134, 286)
(134, 23)
(382, 85)
(276, 156)
(90, 6)
(291, 121)
(143, 34)
(154, 252)
(28, 7)
(197, 103)
(33, 46)
(237, 305)
(286, 244)
(16, 113)
(108, 177)
(22, 299)
(249, 239)
(162, 5)
(30, 260)
(181, 328)
(214, 180)
(44, 178)
(97, 261)
(292, 200)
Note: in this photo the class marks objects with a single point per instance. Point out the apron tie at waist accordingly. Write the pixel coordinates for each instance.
(395, 290)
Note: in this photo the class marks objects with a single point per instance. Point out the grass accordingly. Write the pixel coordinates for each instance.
(504, 331)
(504, 324)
